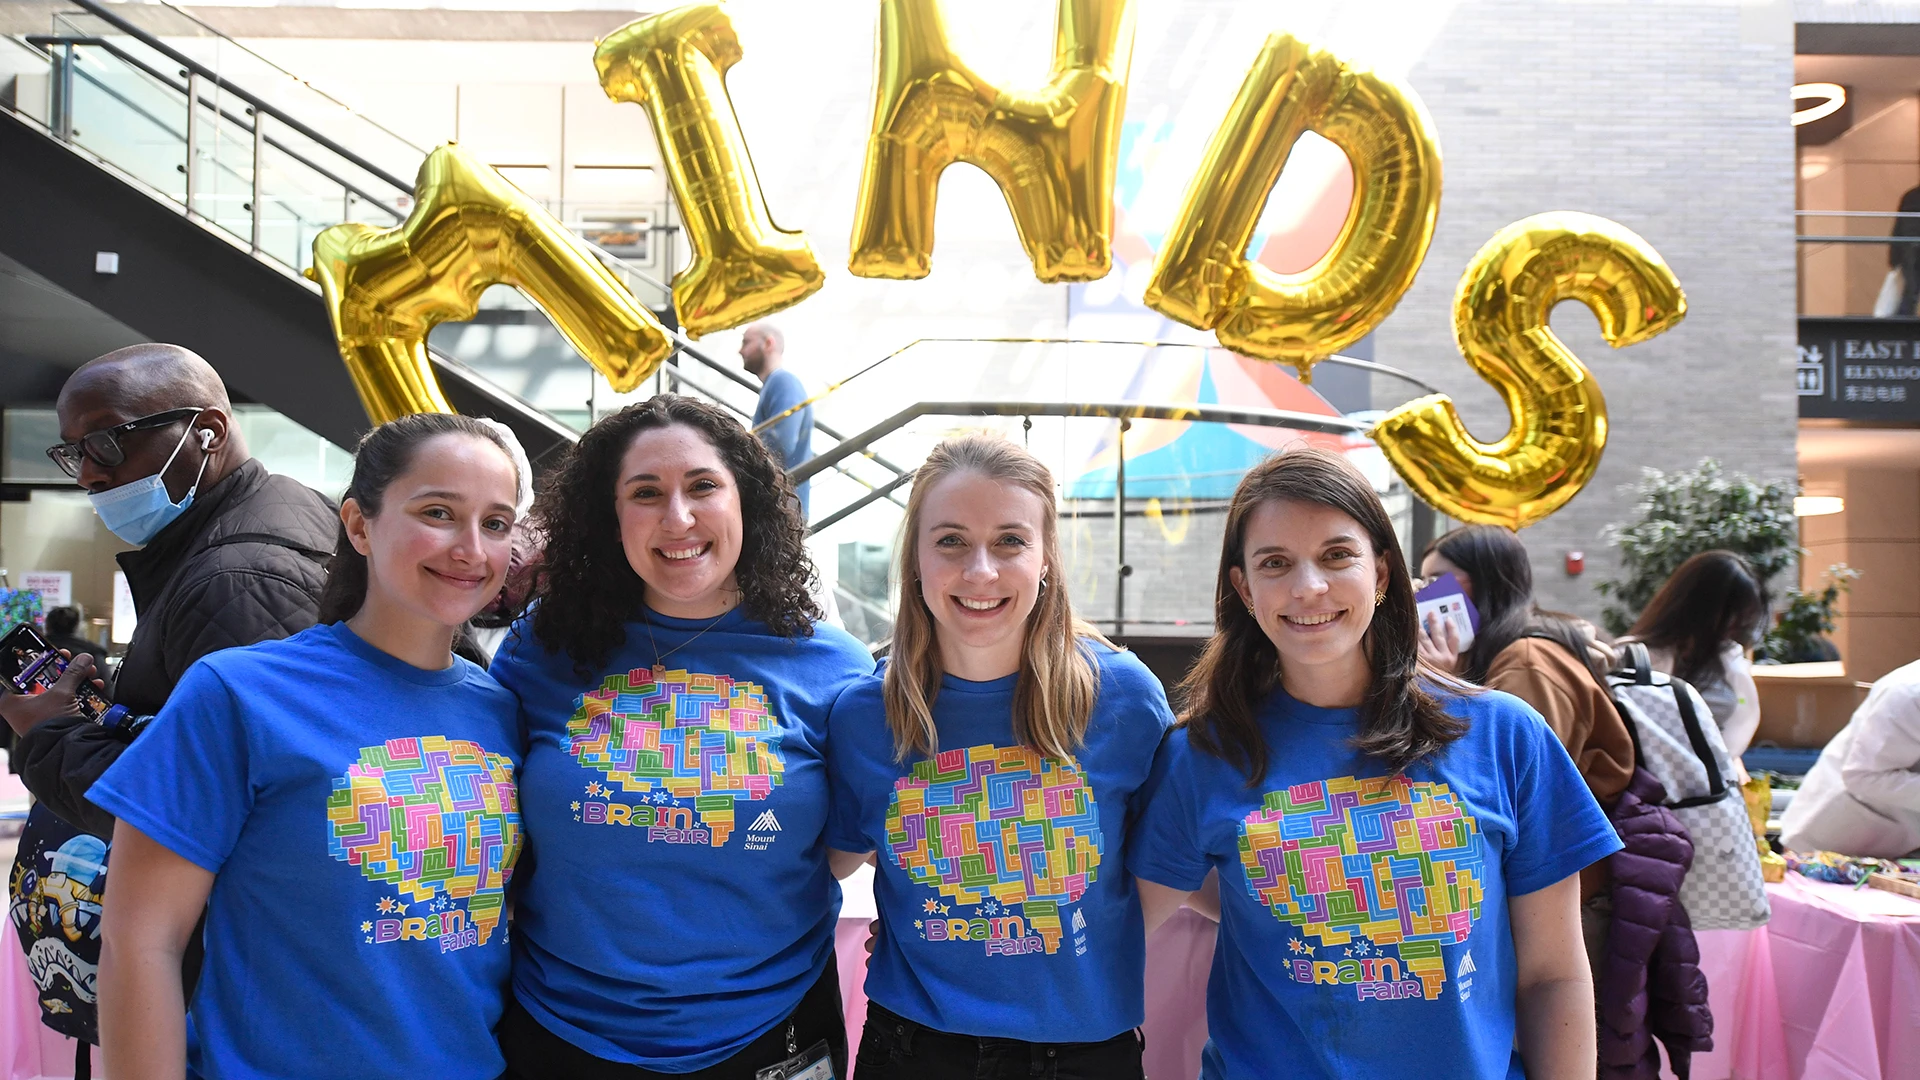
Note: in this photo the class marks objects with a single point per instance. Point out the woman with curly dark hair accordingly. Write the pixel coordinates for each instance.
(674, 681)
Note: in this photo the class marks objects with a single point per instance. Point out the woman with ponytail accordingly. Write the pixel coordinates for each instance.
(341, 804)
(994, 766)
(1397, 852)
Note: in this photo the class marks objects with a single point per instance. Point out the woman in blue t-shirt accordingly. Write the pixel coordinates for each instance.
(341, 804)
(994, 768)
(1397, 853)
(674, 681)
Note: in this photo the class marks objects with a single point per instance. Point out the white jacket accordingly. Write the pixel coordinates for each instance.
(1863, 795)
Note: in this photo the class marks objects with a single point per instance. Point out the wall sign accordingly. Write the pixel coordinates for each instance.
(54, 586)
(1859, 369)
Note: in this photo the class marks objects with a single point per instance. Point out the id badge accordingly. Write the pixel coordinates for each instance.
(815, 1063)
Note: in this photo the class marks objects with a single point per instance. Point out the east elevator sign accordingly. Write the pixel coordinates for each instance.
(1859, 369)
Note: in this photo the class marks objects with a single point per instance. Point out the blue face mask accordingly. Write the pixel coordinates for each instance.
(136, 512)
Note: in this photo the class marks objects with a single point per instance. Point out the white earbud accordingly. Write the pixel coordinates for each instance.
(206, 439)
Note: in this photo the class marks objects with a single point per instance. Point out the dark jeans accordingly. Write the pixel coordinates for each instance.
(534, 1053)
(895, 1048)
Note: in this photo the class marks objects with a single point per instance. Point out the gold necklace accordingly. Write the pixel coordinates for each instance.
(659, 656)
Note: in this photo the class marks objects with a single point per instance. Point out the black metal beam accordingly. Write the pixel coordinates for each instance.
(264, 330)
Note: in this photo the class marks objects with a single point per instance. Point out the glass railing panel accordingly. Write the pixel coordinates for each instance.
(1858, 263)
(185, 33)
(305, 187)
(223, 160)
(132, 118)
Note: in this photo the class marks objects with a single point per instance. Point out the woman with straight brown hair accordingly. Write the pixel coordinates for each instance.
(994, 765)
(1398, 853)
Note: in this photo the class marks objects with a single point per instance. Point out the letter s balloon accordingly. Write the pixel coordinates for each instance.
(1500, 321)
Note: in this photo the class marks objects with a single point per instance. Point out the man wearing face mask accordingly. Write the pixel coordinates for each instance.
(230, 554)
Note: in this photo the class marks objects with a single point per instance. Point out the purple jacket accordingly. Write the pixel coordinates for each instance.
(1650, 981)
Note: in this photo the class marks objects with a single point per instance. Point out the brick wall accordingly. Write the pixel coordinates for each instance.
(1670, 118)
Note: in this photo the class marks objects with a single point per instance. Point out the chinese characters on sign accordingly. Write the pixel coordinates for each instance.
(1859, 369)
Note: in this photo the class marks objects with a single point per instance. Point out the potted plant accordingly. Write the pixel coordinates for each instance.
(1679, 514)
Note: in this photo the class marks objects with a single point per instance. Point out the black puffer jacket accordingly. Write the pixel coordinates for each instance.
(244, 564)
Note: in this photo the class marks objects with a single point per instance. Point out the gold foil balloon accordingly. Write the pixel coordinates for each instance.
(1500, 318)
(1203, 277)
(1052, 151)
(1758, 791)
(470, 228)
(744, 266)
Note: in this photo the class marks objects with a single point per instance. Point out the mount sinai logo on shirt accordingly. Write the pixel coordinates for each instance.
(766, 822)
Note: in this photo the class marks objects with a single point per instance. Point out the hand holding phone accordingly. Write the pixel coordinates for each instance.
(41, 683)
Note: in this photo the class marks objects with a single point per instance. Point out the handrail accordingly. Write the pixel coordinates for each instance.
(43, 40)
(230, 40)
(873, 492)
(1123, 410)
(1809, 238)
(259, 104)
(738, 378)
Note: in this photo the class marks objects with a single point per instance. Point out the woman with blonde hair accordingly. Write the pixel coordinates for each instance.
(994, 765)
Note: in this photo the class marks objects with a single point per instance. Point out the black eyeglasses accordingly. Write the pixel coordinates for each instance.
(103, 446)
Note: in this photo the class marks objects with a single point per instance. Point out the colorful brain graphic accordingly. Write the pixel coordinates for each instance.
(430, 815)
(700, 737)
(1000, 822)
(1393, 860)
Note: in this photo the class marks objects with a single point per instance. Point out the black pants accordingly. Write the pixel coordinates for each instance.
(895, 1048)
(534, 1053)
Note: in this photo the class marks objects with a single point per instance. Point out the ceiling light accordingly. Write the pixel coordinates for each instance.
(1817, 505)
(1831, 97)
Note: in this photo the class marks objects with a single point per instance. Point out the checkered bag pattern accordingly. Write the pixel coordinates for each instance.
(1724, 889)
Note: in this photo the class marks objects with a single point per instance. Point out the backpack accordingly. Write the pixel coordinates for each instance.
(54, 902)
(1676, 741)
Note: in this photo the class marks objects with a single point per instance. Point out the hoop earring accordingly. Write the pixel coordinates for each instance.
(1043, 583)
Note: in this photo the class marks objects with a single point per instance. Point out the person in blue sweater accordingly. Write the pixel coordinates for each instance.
(1397, 853)
(782, 416)
(674, 679)
(995, 767)
(342, 804)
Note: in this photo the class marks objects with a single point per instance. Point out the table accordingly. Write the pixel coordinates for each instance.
(1829, 988)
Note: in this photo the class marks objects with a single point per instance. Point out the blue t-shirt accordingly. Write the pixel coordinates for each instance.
(361, 818)
(999, 866)
(1363, 921)
(790, 439)
(679, 903)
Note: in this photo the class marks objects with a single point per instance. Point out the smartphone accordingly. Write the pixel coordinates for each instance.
(1443, 597)
(31, 666)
